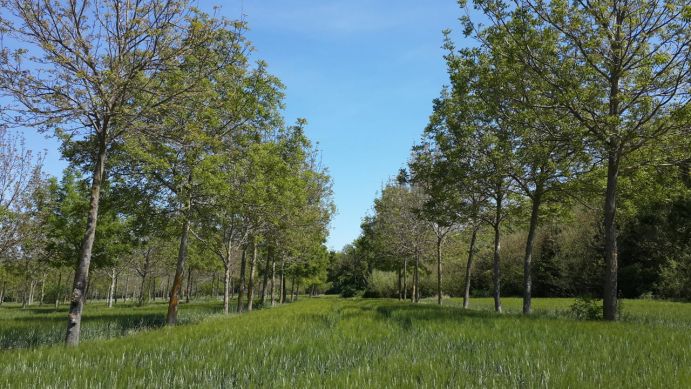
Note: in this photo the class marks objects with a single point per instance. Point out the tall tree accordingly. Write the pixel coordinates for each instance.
(621, 69)
(89, 60)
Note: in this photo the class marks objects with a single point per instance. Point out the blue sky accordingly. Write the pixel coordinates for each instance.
(362, 72)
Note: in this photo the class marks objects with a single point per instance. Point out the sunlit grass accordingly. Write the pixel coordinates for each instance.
(330, 342)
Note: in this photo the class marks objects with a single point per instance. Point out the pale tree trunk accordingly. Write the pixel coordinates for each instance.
(253, 262)
(416, 279)
(400, 284)
(439, 292)
(469, 267)
(174, 297)
(127, 286)
(58, 290)
(111, 289)
(226, 286)
(292, 290)
(241, 289)
(43, 290)
(32, 289)
(273, 281)
(405, 278)
(81, 275)
(611, 262)
(527, 263)
(283, 281)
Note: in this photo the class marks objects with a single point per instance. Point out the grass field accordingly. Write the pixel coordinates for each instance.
(331, 342)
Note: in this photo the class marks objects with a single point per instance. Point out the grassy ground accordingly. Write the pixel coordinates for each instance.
(330, 342)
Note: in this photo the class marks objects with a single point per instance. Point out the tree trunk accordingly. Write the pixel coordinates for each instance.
(292, 290)
(81, 275)
(188, 290)
(226, 286)
(111, 289)
(115, 289)
(527, 263)
(497, 269)
(32, 289)
(469, 267)
(611, 264)
(2, 293)
(400, 284)
(283, 281)
(439, 241)
(43, 290)
(243, 264)
(58, 290)
(265, 276)
(405, 278)
(174, 297)
(416, 278)
(253, 262)
(273, 280)
(127, 286)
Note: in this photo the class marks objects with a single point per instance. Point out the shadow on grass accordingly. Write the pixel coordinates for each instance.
(46, 326)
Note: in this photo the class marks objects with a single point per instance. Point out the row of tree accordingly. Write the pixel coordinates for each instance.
(176, 146)
(560, 106)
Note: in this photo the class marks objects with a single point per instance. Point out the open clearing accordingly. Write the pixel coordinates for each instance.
(333, 342)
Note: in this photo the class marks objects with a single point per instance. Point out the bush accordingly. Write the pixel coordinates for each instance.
(587, 308)
(382, 284)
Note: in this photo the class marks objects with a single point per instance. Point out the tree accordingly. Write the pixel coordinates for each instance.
(91, 59)
(621, 70)
(430, 169)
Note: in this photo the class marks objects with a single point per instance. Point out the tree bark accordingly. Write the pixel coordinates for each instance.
(111, 289)
(81, 275)
(405, 278)
(115, 289)
(416, 279)
(469, 267)
(188, 290)
(527, 263)
(273, 280)
(174, 297)
(497, 269)
(253, 262)
(611, 263)
(58, 291)
(439, 292)
(127, 286)
(226, 287)
(243, 265)
(43, 290)
(400, 284)
(265, 276)
(283, 280)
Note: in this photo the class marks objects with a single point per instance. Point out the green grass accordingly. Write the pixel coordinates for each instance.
(331, 342)
(45, 325)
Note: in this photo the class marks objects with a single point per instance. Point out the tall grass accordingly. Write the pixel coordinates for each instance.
(329, 342)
